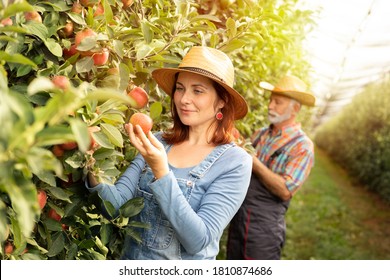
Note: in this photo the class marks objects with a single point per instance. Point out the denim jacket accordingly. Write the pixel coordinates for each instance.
(187, 214)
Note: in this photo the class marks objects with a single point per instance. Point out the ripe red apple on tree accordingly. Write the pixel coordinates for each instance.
(86, 3)
(69, 52)
(91, 130)
(99, 10)
(6, 21)
(67, 30)
(143, 120)
(81, 35)
(61, 82)
(42, 198)
(57, 151)
(33, 16)
(101, 58)
(140, 96)
(8, 248)
(76, 8)
(53, 214)
(127, 3)
(68, 146)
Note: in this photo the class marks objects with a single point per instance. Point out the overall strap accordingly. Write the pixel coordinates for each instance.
(281, 149)
(202, 168)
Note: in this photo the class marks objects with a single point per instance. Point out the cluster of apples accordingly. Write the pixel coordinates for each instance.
(100, 55)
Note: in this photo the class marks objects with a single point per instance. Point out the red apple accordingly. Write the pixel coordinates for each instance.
(81, 35)
(61, 82)
(53, 215)
(69, 146)
(101, 58)
(99, 10)
(86, 3)
(140, 96)
(33, 16)
(42, 198)
(57, 151)
(69, 52)
(92, 130)
(113, 71)
(67, 30)
(8, 248)
(143, 120)
(6, 21)
(77, 8)
(127, 3)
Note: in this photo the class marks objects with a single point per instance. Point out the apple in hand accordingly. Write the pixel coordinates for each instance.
(143, 120)
(140, 96)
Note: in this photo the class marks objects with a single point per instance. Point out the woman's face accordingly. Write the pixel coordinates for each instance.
(196, 100)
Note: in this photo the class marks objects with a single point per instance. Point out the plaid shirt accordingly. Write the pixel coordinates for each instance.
(294, 161)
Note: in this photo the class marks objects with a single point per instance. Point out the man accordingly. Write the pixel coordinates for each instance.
(283, 160)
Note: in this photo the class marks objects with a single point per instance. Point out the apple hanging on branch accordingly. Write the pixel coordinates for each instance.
(140, 97)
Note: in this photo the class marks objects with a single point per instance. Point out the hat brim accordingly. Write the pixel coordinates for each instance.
(165, 78)
(305, 98)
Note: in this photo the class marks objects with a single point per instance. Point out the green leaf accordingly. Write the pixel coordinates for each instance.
(58, 244)
(113, 134)
(15, 8)
(77, 18)
(84, 65)
(231, 28)
(16, 58)
(109, 208)
(39, 84)
(60, 194)
(53, 47)
(37, 29)
(132, 207)
(103, 140)
(147, 32)
(106, 233)
(53, 135)
(156, 110)
(80, 131)
(233, 45)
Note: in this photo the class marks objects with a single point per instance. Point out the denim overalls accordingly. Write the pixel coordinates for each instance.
(160, 241)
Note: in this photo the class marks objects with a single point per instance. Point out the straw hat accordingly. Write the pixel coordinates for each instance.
(292, 87)
(207, 62)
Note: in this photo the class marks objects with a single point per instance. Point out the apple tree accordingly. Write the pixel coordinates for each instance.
(68, 78)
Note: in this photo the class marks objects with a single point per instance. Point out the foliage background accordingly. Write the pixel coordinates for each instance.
(263, 38)
(358, 138)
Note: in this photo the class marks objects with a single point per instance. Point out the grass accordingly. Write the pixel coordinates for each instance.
(331, 218)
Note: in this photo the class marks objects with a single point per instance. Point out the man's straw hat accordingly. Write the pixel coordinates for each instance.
(207, 62)
(292, 87)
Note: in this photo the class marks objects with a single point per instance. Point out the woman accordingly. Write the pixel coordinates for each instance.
(193, 178)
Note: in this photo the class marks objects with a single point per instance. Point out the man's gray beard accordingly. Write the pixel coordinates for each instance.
(275, 118)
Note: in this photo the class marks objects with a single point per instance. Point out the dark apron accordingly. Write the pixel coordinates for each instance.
(258, 229)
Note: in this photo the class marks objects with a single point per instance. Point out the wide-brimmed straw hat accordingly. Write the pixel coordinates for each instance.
(292, 87)
(207, 62)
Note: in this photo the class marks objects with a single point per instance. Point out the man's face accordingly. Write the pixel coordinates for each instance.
(280, 109)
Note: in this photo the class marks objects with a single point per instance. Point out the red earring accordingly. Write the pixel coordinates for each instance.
(219, 116)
